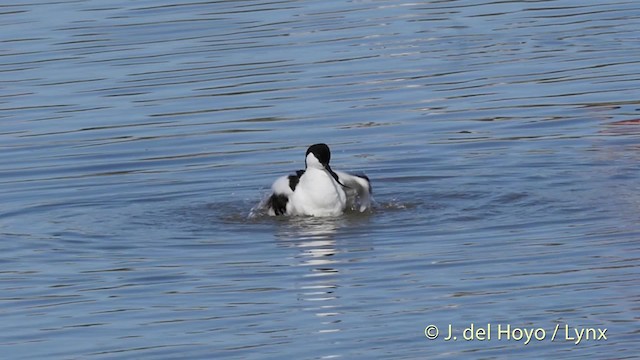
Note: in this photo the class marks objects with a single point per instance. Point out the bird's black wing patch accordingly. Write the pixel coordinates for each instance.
(278, 202)
(294, 179)
(363, 176)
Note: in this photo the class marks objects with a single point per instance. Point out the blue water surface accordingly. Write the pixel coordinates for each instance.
(138, 138)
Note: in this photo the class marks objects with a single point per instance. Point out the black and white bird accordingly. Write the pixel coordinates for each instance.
(318, 190)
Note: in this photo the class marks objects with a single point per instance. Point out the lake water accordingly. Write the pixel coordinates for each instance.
(502, 140)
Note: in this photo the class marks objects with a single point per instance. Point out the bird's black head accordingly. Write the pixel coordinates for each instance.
(321, 152)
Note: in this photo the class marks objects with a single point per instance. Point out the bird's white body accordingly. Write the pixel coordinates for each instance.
(316, 194)
(318, 190)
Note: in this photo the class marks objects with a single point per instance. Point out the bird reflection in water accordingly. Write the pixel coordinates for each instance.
(314, 237)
